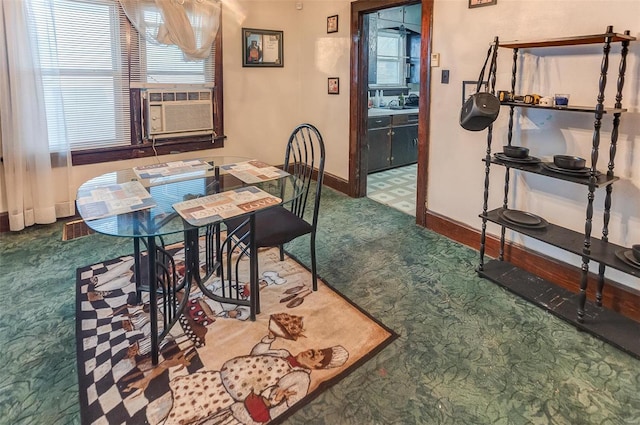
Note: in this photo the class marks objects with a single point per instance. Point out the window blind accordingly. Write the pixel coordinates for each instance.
(89, 55)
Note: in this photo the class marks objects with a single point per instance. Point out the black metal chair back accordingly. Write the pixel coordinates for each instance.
(304, 158)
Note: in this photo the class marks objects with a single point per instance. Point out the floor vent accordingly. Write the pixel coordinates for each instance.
(75, 229)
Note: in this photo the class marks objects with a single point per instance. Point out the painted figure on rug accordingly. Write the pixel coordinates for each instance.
(255, 388)
(118, 277)
(202, 311)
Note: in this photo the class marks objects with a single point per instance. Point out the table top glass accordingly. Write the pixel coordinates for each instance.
(160, 218)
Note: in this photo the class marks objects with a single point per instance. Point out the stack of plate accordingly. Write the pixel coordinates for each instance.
(526, 160)
(522, 218)
(626, 255)
(568, 165)
(580, 172)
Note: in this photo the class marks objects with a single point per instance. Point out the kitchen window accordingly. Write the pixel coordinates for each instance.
(91, 59)
(390, 60)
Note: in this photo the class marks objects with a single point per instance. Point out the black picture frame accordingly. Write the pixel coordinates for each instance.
(262, 48)
(333, 85)
(332, 24)
(469, 87)
(481, 3)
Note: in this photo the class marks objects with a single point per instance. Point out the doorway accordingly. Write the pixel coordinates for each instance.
(358, 140)
(393, 82)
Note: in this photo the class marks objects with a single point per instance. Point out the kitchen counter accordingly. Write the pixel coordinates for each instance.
(379, 112)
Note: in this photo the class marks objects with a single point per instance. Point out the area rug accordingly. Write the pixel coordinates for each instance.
(216, 366)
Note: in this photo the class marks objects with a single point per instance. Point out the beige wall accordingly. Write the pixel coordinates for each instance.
(263, 105)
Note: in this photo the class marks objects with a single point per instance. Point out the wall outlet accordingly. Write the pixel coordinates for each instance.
(445, 76)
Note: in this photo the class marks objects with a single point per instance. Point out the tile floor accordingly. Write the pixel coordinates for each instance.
(395, 188)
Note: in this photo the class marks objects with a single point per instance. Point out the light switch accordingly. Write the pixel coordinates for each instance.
(445, 76)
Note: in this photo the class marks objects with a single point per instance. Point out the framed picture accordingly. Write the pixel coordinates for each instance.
(332, 24)
(333, 85)
(262, 48)
(469, 88)
(480, 3)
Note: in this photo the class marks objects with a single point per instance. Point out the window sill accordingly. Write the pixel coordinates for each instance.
(94, 156)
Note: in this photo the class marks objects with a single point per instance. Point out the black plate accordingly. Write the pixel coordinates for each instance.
(528, 160)
(583, 172)
(627, 256)
(523, 218)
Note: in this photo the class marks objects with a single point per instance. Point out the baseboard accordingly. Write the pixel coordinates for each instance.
(337, 183)
(617, 297)
(4, 222)
(329, 180)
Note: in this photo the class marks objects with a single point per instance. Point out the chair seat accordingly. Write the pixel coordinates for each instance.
(274, 226)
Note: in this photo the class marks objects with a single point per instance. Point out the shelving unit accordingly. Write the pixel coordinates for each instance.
(590, 316)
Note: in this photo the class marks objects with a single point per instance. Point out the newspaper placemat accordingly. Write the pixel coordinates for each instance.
(254, 171)
(172, 168)
(113, 199)
(213, 208)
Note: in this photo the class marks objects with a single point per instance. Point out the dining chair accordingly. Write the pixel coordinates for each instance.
(304, 159)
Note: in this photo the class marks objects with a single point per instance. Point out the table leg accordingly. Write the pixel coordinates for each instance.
(136, 269)
(192, 258)
(254, 284)
(153, 299)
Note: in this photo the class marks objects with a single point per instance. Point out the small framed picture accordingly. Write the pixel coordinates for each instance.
(332, 24)
(469, 88)
(480, 3)
(333, 84)
(262, 48)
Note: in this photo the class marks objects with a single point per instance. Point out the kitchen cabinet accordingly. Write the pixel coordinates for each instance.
(413, 14)
(392, 141)
(408, 16)
(615, 329)
(395, 14)
(404, 140)
(379, 143)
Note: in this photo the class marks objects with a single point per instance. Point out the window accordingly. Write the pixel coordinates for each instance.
(161, 63)
(90, 54)
(390, 58)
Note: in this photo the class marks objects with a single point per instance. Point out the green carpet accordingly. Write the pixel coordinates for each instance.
(468, 352)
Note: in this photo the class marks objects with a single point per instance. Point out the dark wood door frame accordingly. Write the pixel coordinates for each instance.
(358, 99)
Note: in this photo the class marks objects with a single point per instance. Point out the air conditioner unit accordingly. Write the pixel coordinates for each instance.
(171, 113)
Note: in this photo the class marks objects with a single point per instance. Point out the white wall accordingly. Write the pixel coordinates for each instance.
(462, 37)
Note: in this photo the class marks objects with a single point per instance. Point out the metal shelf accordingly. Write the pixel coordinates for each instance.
(567, 41)
(601, 180)
(569, 240)
(603, 323)
(570, 108)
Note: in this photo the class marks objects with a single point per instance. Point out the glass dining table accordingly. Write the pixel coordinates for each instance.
(191, 199)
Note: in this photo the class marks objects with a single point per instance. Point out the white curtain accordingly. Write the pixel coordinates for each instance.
(189, 24)
(36, 181)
